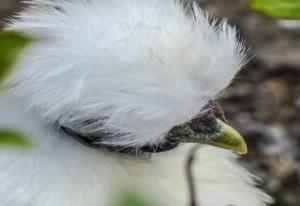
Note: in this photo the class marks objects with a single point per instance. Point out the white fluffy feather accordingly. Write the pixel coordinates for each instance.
(136, 68)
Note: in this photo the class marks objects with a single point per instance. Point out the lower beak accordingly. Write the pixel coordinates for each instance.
(228, 138)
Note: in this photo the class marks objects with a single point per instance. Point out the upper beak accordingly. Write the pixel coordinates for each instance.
(228, 138)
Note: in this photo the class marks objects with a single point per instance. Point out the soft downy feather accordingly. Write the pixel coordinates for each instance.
(134, 69)
(130, 67)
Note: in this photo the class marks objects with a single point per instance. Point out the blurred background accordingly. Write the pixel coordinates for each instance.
(263, 102)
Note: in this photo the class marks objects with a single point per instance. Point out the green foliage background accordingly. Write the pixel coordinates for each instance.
(286, 9)
(131, 198)
(11, 45)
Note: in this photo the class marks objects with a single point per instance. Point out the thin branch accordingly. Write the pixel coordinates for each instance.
(190, 177)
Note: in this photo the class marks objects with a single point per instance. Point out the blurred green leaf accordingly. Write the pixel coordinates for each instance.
(132, 199)
(11, 44)
(12, 138)
(287, 9)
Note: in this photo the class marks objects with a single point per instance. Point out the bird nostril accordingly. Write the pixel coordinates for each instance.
(205, 122)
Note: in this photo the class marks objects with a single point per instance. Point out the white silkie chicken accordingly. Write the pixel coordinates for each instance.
(110, 93)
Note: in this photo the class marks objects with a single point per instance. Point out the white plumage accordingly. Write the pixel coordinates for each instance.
(136, 68)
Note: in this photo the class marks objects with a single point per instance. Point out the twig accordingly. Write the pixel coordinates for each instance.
(190, 177)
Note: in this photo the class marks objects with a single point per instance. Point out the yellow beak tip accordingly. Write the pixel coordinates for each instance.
(243, 150)
(229, 138)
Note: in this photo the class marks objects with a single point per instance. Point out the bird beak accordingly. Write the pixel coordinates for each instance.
(219, 135)
(228, 138)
